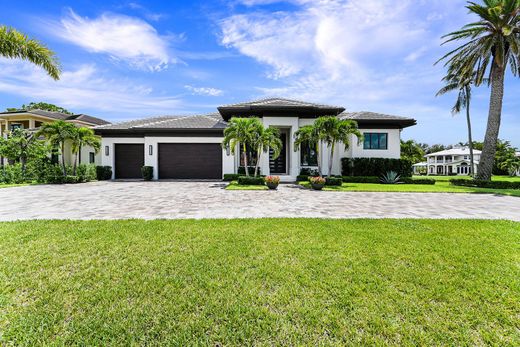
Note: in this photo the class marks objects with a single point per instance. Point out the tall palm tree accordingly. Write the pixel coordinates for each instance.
(83, 137)
(308, 135)
(15, 45)
(240, 132)
(463, 86)
(332, 130)
(267, 139)
(57, 133)
(493, 44)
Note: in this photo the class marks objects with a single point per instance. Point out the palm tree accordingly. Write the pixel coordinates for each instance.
(83, 137)
(240, 132)
(412, 151)
(15, 45)
(267, 138)
(308, 135)
(57, 133)
(493, 44)
(463, 86)
(332, 130)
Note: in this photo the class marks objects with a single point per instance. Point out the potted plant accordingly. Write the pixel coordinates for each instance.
(317, 183)
(272, 182)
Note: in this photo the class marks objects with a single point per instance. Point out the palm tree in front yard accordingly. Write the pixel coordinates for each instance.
(240, 133)
(15, 45)
(267, 139)
(83, 137)
(57, 133)
(332, 130)
(492, 44)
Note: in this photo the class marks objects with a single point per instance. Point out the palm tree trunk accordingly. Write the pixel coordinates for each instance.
(245, 159)
(470, 136)
(258, 155)
(76, 160)
(318, 156)
(487, 159)
(63, 159)
(331, 158)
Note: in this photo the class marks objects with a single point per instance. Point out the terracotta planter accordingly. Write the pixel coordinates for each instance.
(272, 185)
(317, 186)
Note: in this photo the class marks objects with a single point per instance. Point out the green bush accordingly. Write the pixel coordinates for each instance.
(375, 167)
(86, 172)
(333, 181)
(11, 174)
(147, 172)
(53, 174)
(428, 181)
(71, 179)
(485, 184)
(361, 179)
(103, 173)
(302, 178)
(251, 181)
(231, 177)
(242, 170)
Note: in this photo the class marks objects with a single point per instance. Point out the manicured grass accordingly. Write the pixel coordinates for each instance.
(2, 185)
(440, 186)
(260, 282)
(235, 186)
(495, 178)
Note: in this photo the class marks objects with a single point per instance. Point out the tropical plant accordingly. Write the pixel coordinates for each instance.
(391, 177)
(462, 84)
(332, 130)
(317, 180)
(21, 146)
(15, 45)
(272, 179)
(308, 135)
(412, 151)
(83, 137)
(240, 133)
(265, 139)
(57, 133)
(511, 165)
(492, 44)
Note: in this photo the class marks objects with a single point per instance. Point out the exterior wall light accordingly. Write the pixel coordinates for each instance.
(107, 150)
(150, 150)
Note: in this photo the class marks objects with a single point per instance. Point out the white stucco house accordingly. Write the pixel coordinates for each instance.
(455, 161)
(189, 147)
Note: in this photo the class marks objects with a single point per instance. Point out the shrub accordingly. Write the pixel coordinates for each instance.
(86, 172)
(11, 174)
(103, 173)
(334, 181)
(53, 174)
(71, 179)
(231, 177)
(317, 180)
(307, 171)
(147, 172)
(390, 177)
(272, 179)
(361, 179)
(302, 178)
(485, 184)
(251, 181)
(242, 170)
(375, 166)
(408, 180)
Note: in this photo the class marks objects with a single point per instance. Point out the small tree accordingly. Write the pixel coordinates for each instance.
(265, 139)
(22, 146)
(240, 132)
(83, 137)
(332, 130)
(57, 133)
(412, 151)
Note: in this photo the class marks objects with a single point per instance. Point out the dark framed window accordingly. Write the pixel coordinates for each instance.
(251, 156)
(15, 126)
(375, 141)
(308, 155)
(91, 157)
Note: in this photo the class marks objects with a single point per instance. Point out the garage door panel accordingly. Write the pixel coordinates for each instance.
(190, 161)
(129, 159)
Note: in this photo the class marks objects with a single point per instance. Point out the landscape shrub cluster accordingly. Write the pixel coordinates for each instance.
(485, 184)
(375, 167)
(42, 171)
(251, 181)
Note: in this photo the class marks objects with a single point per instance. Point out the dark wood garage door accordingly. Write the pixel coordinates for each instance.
(190, 161)
(129, 160)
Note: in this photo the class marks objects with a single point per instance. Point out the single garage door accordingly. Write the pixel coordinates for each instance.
(129, 160)
(190, 161)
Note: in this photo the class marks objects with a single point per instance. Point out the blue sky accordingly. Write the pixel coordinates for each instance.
(129, 59)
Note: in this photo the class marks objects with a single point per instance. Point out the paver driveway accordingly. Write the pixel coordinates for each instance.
(171, 200)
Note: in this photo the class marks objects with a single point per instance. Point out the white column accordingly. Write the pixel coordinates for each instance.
(32, 124)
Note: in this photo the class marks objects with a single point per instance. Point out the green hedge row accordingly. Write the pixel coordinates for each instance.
(486, 184)
(251, 181)
(375, 167)
(103, 173)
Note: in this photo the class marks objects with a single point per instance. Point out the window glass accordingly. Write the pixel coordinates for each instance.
(375, 141)
(92, 157)
(308, 155)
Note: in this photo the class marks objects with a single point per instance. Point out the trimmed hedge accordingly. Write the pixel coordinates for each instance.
(302, 178)
(251, 181)
(147, 172)
(361, 179)
(428, 181)
(486, 184)
(375, 167)
(103, 173)
(333, 181)
(231, 177)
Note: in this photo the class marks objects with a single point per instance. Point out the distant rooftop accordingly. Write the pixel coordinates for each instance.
(455, 151)
(59, 116)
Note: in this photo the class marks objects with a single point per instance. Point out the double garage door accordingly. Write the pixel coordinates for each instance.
(175, 160)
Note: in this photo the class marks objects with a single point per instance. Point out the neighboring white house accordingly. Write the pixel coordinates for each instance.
(455, 161)
(518, 156)
(189, 147)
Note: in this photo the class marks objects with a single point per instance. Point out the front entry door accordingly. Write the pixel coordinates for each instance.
(278, 166)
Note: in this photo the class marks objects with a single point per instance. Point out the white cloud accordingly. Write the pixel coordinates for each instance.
(123, 38)
(206, 91)
(84, 88)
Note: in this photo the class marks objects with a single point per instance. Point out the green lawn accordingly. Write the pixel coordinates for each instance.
(4, 185)
(235, 186)
(495, 178)
(441, 186)
(260, 282)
